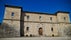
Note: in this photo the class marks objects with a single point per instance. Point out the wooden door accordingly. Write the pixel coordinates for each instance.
(40, 31)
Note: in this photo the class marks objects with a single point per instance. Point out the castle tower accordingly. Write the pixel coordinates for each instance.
(63, 21)
(12, 18)
(63, 17)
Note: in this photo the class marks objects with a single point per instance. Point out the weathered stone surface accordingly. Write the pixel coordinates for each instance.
(8, 31)
(38, 38)
(19, 21)
(13, 22)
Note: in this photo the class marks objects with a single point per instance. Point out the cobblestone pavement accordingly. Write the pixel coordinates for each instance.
(37, 38)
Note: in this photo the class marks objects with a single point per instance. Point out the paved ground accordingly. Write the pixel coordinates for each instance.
(37, 38)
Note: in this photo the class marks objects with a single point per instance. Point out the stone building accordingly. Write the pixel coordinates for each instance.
(36, 23)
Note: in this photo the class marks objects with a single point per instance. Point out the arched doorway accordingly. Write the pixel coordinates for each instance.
(40, 31)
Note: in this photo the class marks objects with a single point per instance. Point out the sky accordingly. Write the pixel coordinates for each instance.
(46, 6)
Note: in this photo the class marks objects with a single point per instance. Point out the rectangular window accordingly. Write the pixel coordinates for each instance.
(64, 18)
(12, 14)
(51, 28)
(27, 28)
(40, 18)
(27, 17)
(50, 18)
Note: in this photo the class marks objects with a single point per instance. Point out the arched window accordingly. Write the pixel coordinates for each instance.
(30, 35)
(26, 35)
(52, 35)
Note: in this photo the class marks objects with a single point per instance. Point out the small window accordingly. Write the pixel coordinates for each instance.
(64, 18)
(27, 28)
(52, 35)
(26, 35)
(12, 14)
(30, 35)
(50, 18)
(51, 28)
(39, 17)
(27, 17)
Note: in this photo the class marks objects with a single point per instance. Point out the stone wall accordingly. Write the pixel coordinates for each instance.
(10, 29)
(36, 17)
(12, 18)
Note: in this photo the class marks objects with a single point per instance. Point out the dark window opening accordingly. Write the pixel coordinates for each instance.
(27, 17)
(12, 14)
(27, 28)
(52, 35)
(52, 29)
(64, 18)
(26, 35)
(30, 35)
(39, 16)
(50, 18)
